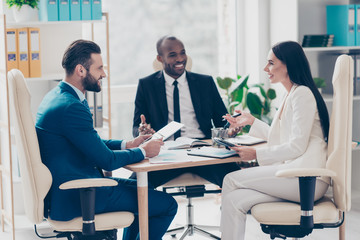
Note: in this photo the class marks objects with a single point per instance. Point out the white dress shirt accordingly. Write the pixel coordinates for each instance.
(191, 127)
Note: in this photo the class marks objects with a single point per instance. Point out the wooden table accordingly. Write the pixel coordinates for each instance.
(143, 167)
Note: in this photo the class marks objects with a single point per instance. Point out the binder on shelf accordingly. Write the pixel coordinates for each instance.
(96, 11)
(64, 10)
(85, 9)
(340, 20)
(90, 98)
(357, 26)
(98, 109)
(48, 10)
(75, 10)
(357, 75)
(11, 51)
(23, 51)
(34, 52)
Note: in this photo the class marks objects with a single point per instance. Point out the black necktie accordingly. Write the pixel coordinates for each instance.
(176, 107)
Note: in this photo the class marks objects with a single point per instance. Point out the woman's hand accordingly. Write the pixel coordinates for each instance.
(245, 153)
(236, 124)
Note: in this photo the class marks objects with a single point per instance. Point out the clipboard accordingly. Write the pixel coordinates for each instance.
(167, 131)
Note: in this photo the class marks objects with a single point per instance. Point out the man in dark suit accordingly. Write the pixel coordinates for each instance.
(71, 148)
(198, 104)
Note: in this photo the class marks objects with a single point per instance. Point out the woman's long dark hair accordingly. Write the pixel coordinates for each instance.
(292, 55)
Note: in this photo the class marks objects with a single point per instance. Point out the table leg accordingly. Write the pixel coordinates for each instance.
(142, 188)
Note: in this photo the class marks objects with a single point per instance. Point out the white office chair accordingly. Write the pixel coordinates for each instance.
(36, 177)
(288, 219)
(190, 185)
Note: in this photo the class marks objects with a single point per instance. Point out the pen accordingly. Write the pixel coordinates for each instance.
(234, 116)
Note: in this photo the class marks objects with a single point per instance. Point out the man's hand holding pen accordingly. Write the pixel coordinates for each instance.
(145, 128)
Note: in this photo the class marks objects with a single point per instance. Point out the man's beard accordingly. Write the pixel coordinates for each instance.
(90, 83)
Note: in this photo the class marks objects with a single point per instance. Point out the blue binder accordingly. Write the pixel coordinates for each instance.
(340, 20)
(96, 12)
(75, 10)
(64, 10)
(357, 25)
(85, 9)
(48, 10)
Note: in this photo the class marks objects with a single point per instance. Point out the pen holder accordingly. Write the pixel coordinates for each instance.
(220, 133)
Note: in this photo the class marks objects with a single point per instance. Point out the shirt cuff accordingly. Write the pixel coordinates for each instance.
(143, 151)
(123, 145)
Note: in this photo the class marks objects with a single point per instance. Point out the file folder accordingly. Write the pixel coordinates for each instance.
(357, 75)
(34, 52)
(340, 20)
(75, 10)
(64, 10)
(357, 27)
(98, 110)
(23, 51)
(90, 97)
(96, 12)
(48, 10)
(85, 9)
(11, 51)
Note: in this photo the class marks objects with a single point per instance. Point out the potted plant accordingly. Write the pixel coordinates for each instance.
(320, 83)
(24, 10)
(253, 97)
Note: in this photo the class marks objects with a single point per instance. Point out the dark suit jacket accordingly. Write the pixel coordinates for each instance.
(151, 101)
(71, 148)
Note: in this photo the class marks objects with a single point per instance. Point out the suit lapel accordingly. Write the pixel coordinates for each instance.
(194, 93)
(67, 88)
(161, 95)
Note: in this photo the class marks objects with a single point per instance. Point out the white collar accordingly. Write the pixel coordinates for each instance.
(170, 79)
(78, 92)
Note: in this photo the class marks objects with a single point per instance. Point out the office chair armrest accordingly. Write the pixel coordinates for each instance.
(307, 182)
(305, 172)
(88, 182)
(87, 189)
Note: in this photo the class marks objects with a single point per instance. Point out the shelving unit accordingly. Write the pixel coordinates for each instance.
(54, 39)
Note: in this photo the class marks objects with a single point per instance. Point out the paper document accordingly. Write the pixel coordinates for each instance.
(169, 156)
(167, 131)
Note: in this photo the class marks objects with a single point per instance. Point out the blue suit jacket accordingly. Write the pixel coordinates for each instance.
(151, 101)
(71, 148)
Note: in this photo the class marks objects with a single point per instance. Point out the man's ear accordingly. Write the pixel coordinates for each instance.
(159, 58)
(80, 70)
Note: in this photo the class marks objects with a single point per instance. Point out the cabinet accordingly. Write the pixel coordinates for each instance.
(54, 38)
(309, 17)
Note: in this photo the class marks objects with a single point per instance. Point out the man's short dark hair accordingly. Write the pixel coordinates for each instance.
(79, 52)
(161, 40)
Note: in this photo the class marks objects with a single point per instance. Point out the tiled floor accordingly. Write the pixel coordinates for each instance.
(211, 206)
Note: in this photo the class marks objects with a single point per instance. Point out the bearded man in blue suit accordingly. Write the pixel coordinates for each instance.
(71, 148)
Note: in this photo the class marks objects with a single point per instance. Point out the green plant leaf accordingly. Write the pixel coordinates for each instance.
(319, 82)
(224, 83)
(254, 103)
(271, 94)
(262, 90)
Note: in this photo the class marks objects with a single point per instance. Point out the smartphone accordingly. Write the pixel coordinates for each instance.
(222, 141)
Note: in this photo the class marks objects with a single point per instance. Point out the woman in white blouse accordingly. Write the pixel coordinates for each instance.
(296, 138)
